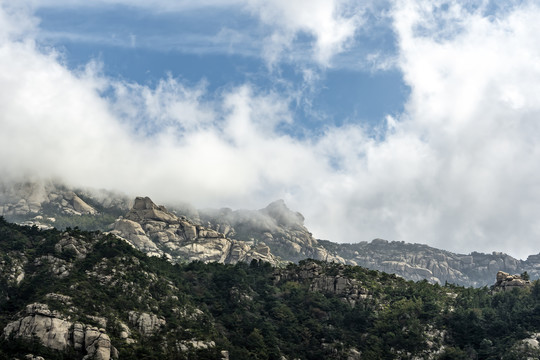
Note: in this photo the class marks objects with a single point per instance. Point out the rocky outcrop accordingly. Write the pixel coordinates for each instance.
(147, 324)
(230, 236)
(55, 332)
(321, 280)
(12, 267)
(80, 206)
(135, 235)
(156, 231)
(73, 246)
(507, 282)
(186, 345)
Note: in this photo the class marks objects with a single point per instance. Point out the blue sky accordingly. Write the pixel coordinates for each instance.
(143, 46)
(408, 120)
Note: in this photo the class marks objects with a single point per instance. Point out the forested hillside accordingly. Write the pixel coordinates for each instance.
(71, 294)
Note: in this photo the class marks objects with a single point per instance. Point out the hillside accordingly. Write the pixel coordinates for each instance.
(74, 294)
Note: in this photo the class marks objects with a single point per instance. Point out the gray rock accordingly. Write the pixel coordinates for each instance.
(148, 324)
(82, 207)
(507, 282)
(57, 333)
(156, 231)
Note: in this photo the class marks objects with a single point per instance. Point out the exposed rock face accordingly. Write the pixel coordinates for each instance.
(196, 344)
(417, 262)
(57, 333)
(229, 236)
(77, 248)
(532, 341)
(12, 267)
(80, 206)
(277, 227)
(156, 231)
(134, 234)
(507, 282)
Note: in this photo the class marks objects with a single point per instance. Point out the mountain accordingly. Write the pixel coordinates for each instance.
(156, 231)
(48, 204)
(89, 295)
(274, 234)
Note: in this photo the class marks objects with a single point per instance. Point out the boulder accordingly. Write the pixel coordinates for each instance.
(97, 344)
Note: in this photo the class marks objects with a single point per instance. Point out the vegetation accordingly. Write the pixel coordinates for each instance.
(254, 311)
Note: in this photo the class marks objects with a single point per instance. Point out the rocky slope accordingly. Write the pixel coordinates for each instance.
(87, 295)
(275, 226)
(274, 234)
(418, 262)
(156, 231)
(48, 204)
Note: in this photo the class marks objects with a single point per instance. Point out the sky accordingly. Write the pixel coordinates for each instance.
(408, 120)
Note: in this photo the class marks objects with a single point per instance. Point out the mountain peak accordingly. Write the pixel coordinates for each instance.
(279, 211)
(143, 203)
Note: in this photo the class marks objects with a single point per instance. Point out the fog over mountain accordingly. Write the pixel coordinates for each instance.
(457, 169)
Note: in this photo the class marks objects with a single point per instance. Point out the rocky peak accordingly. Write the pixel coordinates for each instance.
(507, 282)
(145, 209)
(154, 230)
(283, 216)
(143, 203)
(275, 226)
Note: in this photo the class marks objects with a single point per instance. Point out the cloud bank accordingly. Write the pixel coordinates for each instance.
(457, 170)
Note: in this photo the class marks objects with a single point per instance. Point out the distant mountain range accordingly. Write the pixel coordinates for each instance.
(274, 234)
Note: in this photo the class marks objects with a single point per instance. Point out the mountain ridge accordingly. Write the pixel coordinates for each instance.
(275, 234)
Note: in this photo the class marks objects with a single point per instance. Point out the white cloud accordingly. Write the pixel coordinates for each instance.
(332, 24)
(474, 100)
(458, 169)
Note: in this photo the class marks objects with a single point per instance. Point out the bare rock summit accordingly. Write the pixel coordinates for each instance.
(156, 231)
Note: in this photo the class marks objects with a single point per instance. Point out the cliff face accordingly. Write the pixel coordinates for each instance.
(48, 204)
(56, 332)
